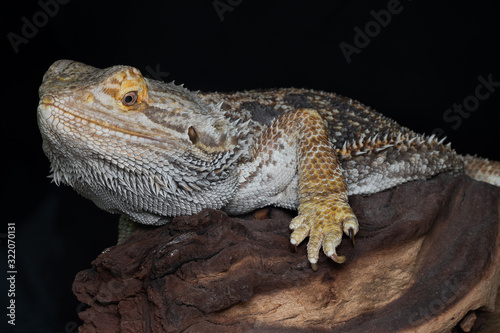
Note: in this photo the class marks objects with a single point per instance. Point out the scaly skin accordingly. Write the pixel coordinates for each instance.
(151, 150)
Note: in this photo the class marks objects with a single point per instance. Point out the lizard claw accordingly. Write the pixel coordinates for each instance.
(351, 236)
(338, 259)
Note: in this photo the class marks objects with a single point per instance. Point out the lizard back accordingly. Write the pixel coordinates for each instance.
(376, 152)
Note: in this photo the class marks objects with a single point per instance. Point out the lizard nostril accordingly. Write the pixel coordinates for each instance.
(89, 98)
(47, 99)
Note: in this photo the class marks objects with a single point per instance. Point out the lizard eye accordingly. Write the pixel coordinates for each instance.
(130, 98)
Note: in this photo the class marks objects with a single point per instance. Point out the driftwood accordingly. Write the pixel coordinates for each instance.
(427, 259)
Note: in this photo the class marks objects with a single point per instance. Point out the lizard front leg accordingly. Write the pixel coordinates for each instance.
(293, 160)
(324, 211)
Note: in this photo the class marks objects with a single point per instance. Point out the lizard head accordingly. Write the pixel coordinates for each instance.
(116, 137)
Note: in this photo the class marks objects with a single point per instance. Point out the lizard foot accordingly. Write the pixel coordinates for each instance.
(323, 219)
(126, 228)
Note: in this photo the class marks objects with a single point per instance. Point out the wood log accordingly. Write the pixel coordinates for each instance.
(426, 259)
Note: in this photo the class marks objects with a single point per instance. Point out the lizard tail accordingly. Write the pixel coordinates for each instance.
(482, 169)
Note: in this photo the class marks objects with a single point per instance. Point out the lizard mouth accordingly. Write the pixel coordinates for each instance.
(62, 120)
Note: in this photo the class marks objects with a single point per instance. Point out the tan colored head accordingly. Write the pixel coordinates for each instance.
(114, 126)
(120, 99)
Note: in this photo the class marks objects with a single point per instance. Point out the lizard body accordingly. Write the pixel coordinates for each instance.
(152, 150)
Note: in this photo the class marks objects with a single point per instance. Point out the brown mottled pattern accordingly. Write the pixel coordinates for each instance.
(151, 150)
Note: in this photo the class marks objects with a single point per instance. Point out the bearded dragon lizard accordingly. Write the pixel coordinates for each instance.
(151, 150)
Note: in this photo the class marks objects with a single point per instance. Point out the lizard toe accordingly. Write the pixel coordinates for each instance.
(300, 230)
(330, 243)
(351, 227)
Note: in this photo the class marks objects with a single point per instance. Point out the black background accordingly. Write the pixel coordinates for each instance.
(427, 58)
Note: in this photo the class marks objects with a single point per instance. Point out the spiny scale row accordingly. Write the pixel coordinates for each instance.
(375, 144)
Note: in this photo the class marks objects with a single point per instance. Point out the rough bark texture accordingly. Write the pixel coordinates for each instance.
(427, 259)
